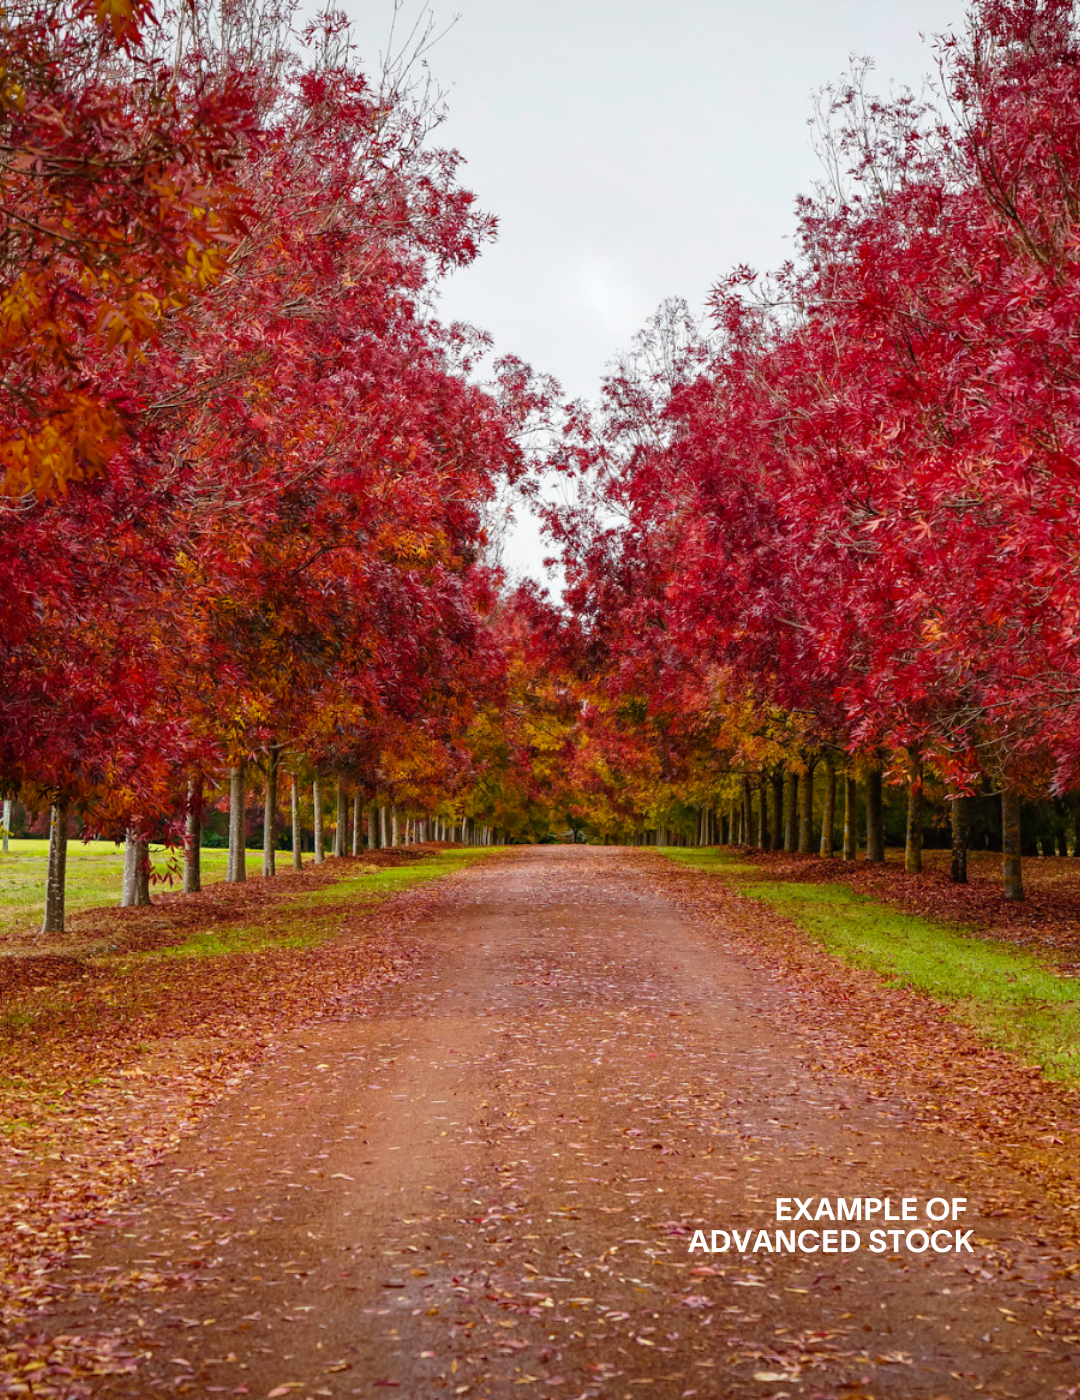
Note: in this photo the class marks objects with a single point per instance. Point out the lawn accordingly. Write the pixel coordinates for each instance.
(94, 875)
(1019, 1001)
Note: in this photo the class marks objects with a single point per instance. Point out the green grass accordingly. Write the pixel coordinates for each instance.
(95, 873)
(307, 926)
(374, 883)
(1011, 997)
(94, 876)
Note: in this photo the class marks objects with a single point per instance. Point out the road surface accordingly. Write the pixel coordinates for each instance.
(487, 1184)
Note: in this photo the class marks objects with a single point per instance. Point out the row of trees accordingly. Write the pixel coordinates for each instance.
(247, 472)
(838, 532)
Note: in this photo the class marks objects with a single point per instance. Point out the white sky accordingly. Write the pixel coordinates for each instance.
(634, 151)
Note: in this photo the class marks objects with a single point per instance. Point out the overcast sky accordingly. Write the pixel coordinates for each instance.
(634, 151)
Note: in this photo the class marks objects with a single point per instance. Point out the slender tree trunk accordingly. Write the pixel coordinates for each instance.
(193, 838)
(913, 845)
(341, 829)
(851, 841)
(958, 821)
(806, 809)
(384, 829)
(127, 887)
(748, 812)
(791, 841)
(372, 827)
(1011, 864)
(777, 812)
(316, 803)
(297, 847)
(394, 825)
(270, 813)
(136, 886)
(56, 876)
(828, 813)
(763, 802)
(357, 822)
(7, 823)
(237, 867)
(875, 817)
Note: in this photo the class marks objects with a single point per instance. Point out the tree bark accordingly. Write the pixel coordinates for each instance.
(394, 825)
(270, 818)
(297, 851)
(875, 816)
(777, 813)
(372, 827)
(828, 814)
(136, 886)
(384, 830)
(237, 866)
(913, 845)
(193, 838)
(791, 839)
(763, 801)
(357, 822)
(851, 841)
(958, 822)
(7, 823)
(806, 809)
(341, 828)
(56, 875)
(1011, 862)
(316, 802)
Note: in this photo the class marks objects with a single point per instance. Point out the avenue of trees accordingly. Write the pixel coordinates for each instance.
(824, 551)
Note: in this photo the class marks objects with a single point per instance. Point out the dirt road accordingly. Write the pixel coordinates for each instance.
(492, 1178)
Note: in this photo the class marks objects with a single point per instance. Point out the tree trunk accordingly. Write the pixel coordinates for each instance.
(237, 867)
(372, 827)
(394, 825)
(384, 830)
(193, 838)
(763, 801)
(136, 886)
(297, 850)
(270, 818)
(341, 829)
(748, 812)
(777, 812)
(1011, 864)
(851, 841)
(791, 837)
(357, 822)
(875, 817)
(913, 844)
(828, 813)
(56, 876)
(958, 821)
(316, 803)
(806, 809)
(7, 823)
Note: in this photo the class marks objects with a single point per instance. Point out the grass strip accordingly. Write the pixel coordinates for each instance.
(1008, 995)
(314, 915)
